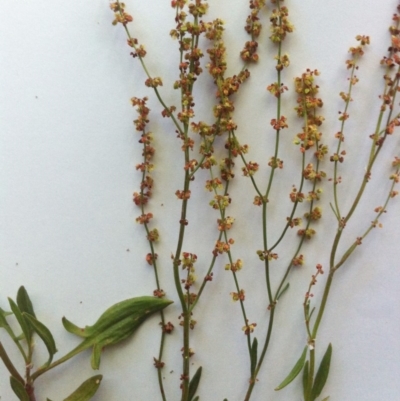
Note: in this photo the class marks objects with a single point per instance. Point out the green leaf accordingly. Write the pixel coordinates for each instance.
(305, 380)
(86, 390)
(19, 389)
(194, 383)
(116, 324)
(322, 374)
(284, 289)
(326, 398)
(295, 371)
(23, 322)
(196, 399)
(253, 356)
(24, 302)
(45, 334)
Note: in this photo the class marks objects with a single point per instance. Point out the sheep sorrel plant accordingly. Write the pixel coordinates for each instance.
(258, 184)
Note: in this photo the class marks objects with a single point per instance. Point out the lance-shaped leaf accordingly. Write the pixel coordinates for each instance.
(24, 302)
(23, 322)
(295, 371)
(253, 357)
(322, 374)
(86, 390)
(44, 333)
(19, 389)
(326, 398)
(196, 399)
(284, 289)
(194, 383)
(114, 325)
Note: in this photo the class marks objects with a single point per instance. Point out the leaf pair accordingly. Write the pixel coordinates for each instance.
(320, 378)
(23, 305)
(25, 315)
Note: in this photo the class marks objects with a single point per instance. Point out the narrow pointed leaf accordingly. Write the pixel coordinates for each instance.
(322, 374)
(305, 380)
(24, 302)
(23, 322)
(196, 399)
(326, 398)
(295, 371)
(253, 356)
(284, 289)
(86, 390)
(312, 311)
(19, 389)
(44, 333)
(194, 383)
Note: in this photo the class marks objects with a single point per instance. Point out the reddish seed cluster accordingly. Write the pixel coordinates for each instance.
(220, 202)
(315, 214)
(279, 124)
(310, 174)
(277, 89)
(235, 266)
(307, 107)
(258, 200)
(167, 328)
(120, 16)
(225, 224)
(183, 195)
(188, 260)
(280, 25)
(253, 26)
(159, 293)
(150, 259)
(294, 222)
(214, 184)
(298, 261)
(238, 296)
(222, 247)
(249, 328)
(250, 169)
(263, 255)
(158, 364)
(144, 218)
(275, 162)
(296, 196)
(307, 233)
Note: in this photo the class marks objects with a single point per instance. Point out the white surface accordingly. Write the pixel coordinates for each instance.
(68, 151)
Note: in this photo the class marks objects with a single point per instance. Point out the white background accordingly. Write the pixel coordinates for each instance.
(68, 151)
